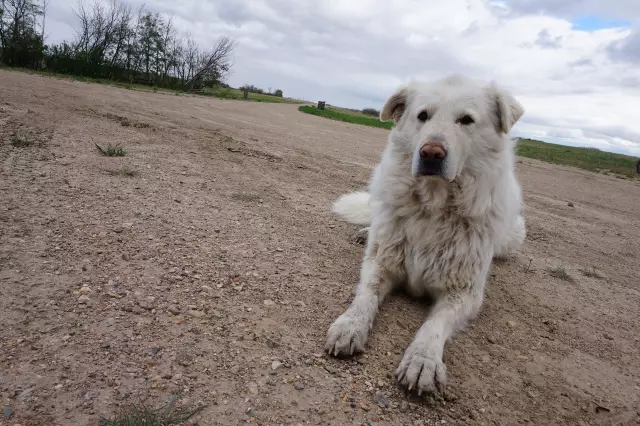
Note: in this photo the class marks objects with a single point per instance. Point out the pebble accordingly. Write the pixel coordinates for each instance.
(7, 412)
(85, 289)
(299, 386)
(511, 324)
(268, 302)
(608, 336)
(381, 400)
(196, 314)
(570, 204)
(84, 299)
(275, 365)
(253, 388)
(174, 310)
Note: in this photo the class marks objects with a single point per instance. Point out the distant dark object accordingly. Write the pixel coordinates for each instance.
(278, 93)
(245, 94)
(321, 104)
(638, 166)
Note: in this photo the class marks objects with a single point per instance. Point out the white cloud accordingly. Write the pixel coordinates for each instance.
(577, 85)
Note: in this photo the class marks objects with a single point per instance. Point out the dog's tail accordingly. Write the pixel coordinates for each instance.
(354, 208)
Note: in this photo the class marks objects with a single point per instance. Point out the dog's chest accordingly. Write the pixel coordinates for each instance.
(442, 252)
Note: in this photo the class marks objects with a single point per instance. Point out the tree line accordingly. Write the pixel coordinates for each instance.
(115, 42)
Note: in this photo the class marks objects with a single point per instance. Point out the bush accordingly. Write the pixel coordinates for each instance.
(371, 111)
(278, 93)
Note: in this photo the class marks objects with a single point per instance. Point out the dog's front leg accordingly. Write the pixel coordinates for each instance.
(422, 367)
(350, 332)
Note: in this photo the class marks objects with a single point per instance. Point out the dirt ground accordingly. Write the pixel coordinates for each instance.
(206, 264)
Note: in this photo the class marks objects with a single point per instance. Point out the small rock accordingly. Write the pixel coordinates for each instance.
(299, 386)
(491, 340)
(608, 336)
(253, 388)
(511, 324)
(84, 299)
(174, 310)
(7, 412)
(155, 350)
(196, 314)
(381, 400)
(275, 365)
(268, 302)
(85, 289)
(570, 204)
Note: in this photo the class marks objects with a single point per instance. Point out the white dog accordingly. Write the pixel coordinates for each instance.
(443, 201)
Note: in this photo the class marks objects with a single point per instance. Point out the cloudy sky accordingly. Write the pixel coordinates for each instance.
(573, 64)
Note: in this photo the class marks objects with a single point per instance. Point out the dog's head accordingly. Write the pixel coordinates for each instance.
(451, 126)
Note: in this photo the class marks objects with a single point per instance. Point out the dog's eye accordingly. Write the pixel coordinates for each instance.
(465, 120)
(423, 116)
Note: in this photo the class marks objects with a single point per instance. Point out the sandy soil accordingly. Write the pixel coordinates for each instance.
(206, 263)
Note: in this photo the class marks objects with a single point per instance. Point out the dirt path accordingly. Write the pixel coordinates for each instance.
(212, 268)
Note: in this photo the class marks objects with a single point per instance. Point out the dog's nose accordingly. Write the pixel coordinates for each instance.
(433, 151)
(432, 159)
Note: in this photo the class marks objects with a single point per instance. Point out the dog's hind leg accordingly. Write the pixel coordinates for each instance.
(349, 333)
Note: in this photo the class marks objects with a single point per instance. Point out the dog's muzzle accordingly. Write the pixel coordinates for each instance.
(432, 158)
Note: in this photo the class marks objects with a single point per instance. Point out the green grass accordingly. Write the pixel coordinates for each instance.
(585, 158)
(218, 92)
(111, 150)
(230, 93)
(144, 415)
(334, 114)
(21, 141)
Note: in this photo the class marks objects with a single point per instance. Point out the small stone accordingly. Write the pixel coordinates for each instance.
(196, 314)
(85, 289)
(155, 350)
(174, 310)
(511, 324)
(84, 299)
(253, 388)
(275, 365)
(491, 340)
(268, 302)
(570, 204)
(381, 383)
(608, 336)
(299, 386)
(7, 412)
(381, 400)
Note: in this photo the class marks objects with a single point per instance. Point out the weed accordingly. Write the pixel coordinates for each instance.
(560, 273)
(21, 141)
(591, 273)
(144, 415)
(528, 268)
(112, 150)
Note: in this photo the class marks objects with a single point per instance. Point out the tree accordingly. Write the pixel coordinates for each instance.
(20, 41)
(214, 65)
(278, 93)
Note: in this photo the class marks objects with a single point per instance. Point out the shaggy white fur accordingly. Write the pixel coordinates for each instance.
(435, 222)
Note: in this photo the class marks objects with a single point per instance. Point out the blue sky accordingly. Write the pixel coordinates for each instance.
(573, 64)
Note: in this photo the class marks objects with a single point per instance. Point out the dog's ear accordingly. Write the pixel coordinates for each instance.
(394, 106)
(506, 108)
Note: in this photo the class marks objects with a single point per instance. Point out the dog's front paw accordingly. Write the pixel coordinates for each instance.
(422, 369)
(346, 336)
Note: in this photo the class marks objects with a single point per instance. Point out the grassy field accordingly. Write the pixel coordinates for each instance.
(333, 114)
(218, 92)
(585, 158)
(230, 93)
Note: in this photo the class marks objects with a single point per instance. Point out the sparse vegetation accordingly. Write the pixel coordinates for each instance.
(21, 141)
(590, 159)
(112, 150)
(371, 111)
(561, 273)
(348, 118)
(144, 415)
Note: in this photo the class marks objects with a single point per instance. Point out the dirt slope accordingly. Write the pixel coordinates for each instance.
(212, 268)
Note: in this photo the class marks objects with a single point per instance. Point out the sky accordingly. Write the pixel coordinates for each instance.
(573, 64)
